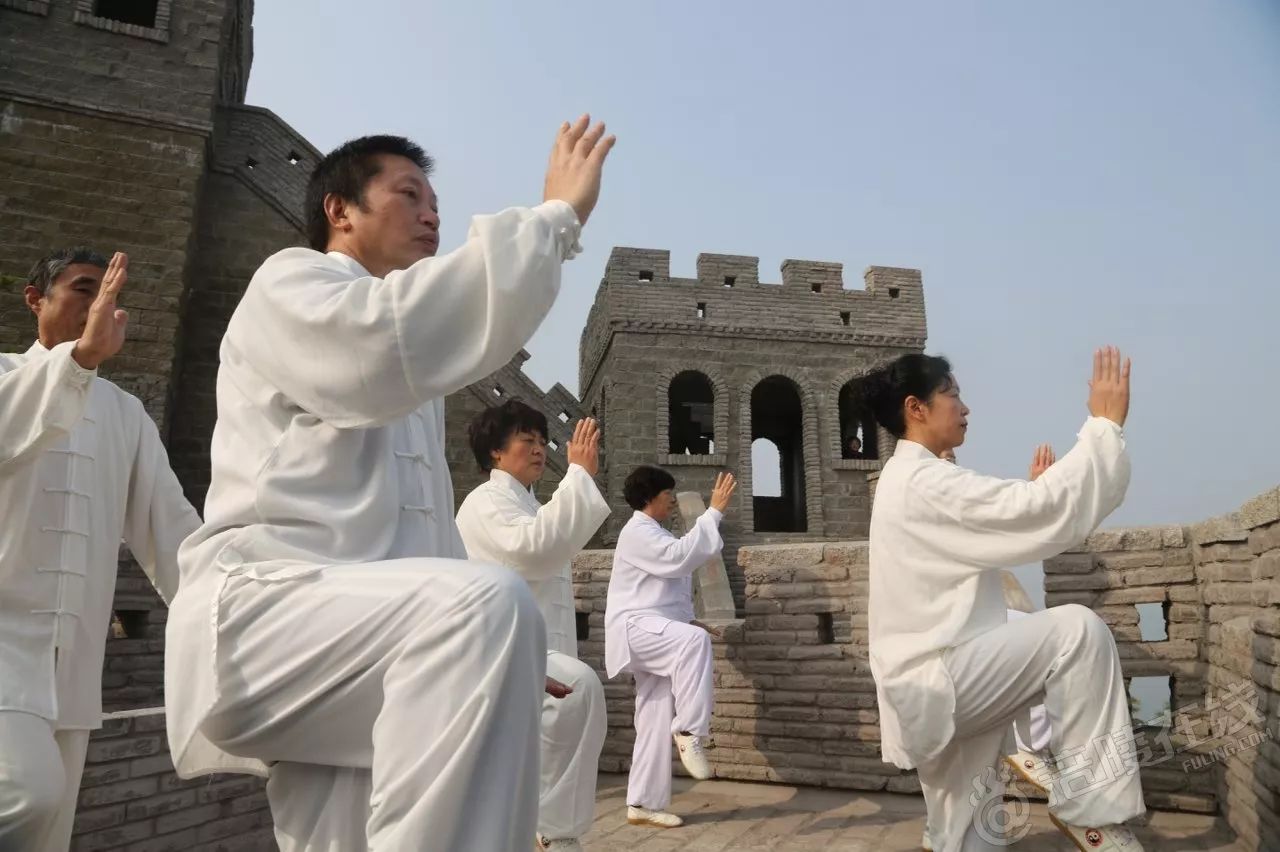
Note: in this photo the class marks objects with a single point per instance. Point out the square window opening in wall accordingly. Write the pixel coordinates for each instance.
(816, 288)
(845, 318)
(147, 19)
(140, 13)
(894, 292)
(729, 281)
(646, 274)
(1150, 700)
(294, 158)
(553, 445)
(498, 391)
(583, 620)
(1153, 621)
(130, 624)
(250, 163)
(826, 629)
(564, 417)
(702, 310)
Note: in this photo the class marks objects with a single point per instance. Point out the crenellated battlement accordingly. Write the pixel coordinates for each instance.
(742, 272)
(727, 298)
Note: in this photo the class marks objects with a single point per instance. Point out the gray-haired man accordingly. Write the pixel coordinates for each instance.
(81, 466)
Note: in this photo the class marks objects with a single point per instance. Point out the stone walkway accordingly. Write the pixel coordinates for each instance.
(727, 815)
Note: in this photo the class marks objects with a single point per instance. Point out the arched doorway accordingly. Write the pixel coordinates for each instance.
(777, 415)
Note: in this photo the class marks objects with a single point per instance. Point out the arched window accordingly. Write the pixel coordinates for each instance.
(766, 469)
(777, 415)
(691, 415)
(859, 438)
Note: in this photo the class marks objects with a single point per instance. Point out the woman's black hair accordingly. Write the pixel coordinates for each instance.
(493, 427)
(886, 388)
(644, 483)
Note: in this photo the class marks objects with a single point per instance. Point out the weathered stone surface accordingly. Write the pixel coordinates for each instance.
(1263, 509)
(1071, 563)
(1225, 529)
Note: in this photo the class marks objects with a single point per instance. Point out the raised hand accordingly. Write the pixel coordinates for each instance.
(103, 334)
(577, 159)
(1041, 461)
(556, 689)
(1109, 387)
(584, 447)
(723, 490)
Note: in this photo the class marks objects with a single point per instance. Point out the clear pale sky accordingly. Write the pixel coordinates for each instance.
(1065, 175)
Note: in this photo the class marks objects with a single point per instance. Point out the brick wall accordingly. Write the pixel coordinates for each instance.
(268, 156)
(1114, 572)
(133, 669)
(74, 178)
(1218, 583)
(238, 230)
(131, 800)
(1250, 783)
(60, 57)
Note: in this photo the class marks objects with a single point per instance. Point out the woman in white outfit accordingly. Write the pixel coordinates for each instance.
(650, 631)
(952, 673)
(502, 522)
(1030, 759)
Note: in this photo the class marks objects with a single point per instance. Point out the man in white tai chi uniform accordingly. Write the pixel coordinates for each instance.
(502, 522)
(951, 672)
(81, 466)
(318, 629)
(650, 631)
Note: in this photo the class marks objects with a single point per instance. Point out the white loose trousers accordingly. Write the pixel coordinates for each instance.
(1066, 658)
(573, 732)
(325, 808)
(425, 673)
(675, 692)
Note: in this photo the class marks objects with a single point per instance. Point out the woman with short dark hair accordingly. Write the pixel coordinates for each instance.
(650, 631)
(502, 522)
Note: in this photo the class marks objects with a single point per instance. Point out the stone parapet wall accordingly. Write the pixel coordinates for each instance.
(1217, 585)
(132, 801)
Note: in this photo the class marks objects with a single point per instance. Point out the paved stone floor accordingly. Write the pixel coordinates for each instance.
(727, 815)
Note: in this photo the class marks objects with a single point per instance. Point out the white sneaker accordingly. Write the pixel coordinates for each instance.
(564, 844)
(693, 756)
(1106, 838)
(1031, 767)
(657, 819)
